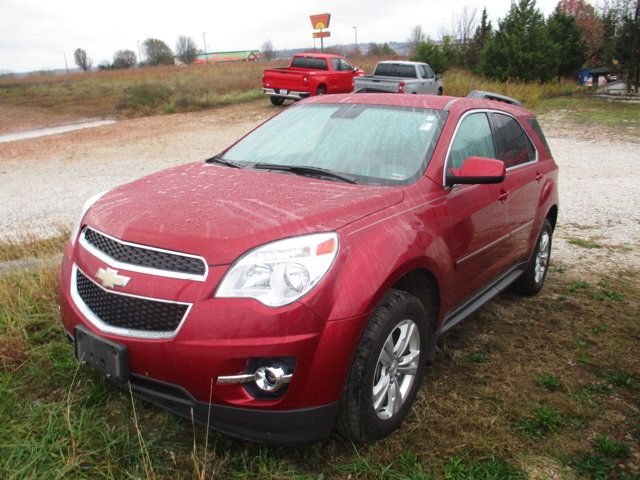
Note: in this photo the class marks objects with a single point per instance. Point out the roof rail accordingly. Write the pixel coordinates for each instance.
(493, 96)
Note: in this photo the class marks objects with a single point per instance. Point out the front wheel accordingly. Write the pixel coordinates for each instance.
(277, 101)
(531, 281)
(387, 369)
(321, 90)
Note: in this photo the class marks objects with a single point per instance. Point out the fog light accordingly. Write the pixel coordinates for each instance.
(271, 379)
(266, 378)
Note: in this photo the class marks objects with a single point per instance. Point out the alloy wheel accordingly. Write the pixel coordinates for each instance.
(396, 369)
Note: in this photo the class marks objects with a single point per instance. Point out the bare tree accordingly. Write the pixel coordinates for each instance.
(464, 24)
(416, 37)
(186, 49)
(82, 59)
(123, 59)
(157, 52)
(268, 51)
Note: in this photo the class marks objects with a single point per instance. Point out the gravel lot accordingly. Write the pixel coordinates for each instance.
(43, 182)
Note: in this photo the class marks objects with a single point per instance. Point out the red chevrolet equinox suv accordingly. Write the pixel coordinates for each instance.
(301, 278)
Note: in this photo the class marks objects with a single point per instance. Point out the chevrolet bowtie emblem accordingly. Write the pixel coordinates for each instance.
(110, 278)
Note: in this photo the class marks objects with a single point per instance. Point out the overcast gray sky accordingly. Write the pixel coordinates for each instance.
(34, 34)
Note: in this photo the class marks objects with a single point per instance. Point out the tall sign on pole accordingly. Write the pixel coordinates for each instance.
(320, 22)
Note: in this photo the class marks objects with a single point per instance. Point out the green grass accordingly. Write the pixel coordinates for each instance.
(580, 242)
(549, 382)
(61, 421)
(542, 420)
(477, 357)
(588, 110)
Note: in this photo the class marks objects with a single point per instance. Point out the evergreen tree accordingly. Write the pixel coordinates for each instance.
(432, 54)
(572, 50)
(483, 34)
(376, 50)
(521, 48)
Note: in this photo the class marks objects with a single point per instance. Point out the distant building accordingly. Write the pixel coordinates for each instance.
(239, 56)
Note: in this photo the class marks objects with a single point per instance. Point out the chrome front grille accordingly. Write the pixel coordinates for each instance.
(142, 258)
(124, 314)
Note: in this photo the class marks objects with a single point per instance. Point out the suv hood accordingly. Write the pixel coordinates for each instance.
(220, 212)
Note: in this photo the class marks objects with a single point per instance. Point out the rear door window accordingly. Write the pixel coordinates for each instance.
(309, 62)
(473, 139)
(512, 144)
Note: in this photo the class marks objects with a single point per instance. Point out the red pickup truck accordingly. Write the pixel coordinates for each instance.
(309, 74)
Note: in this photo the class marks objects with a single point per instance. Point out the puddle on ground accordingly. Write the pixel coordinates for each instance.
(43, 132)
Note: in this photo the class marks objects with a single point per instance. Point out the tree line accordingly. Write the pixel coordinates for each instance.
(527, 46)
(155, 52)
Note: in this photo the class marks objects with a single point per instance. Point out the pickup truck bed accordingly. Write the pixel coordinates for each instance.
(400, 77)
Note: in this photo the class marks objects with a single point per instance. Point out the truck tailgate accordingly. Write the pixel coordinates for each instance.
(284, 78)
(376, 83)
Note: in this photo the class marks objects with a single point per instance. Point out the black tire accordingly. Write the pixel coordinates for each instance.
(440, 91)
(531, 281)
(321, 90)
(277, 101)
(357, 417)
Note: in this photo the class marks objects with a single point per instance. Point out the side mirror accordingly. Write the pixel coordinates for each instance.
(438, 76)
(476, 170)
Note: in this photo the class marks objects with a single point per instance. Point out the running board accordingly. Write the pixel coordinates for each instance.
(483, 297)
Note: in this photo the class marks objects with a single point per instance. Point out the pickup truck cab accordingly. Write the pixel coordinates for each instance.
(400, 77)
(309, 74)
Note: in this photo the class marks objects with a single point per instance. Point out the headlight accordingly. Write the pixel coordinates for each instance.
(87, 205)
(281, 272)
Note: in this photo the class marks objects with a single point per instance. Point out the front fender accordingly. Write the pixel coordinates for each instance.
(374, 257)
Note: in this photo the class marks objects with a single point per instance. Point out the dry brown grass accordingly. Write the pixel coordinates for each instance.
(27, 245)
(168, 89)
(109, 93)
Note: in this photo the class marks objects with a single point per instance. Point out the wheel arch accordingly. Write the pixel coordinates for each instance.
(422, 283)
(552, 216)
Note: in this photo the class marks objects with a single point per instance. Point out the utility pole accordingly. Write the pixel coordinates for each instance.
(355, 32)
(65, 62)
(204, 39)
(139, 54)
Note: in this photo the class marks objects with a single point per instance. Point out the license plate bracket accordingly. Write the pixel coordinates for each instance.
(101, 354)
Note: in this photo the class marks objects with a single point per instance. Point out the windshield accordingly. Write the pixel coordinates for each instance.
(377, 145)
(395, 70)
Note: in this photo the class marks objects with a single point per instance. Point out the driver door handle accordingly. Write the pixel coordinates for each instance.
(503, 195)
(539, 176)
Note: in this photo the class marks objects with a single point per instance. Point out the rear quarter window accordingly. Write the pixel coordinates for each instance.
(512, 144)
(535, 126)
(309, 62)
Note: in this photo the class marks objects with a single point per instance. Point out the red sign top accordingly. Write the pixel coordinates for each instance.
(320, 21)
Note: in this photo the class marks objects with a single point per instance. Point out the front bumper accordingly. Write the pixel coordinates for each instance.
(291, 94)
(222, 337)
(286, 427)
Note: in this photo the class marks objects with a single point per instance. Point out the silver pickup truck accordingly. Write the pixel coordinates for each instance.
(400, 77)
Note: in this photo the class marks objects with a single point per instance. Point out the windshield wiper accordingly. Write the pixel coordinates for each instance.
(307, 171)
(222, 161)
